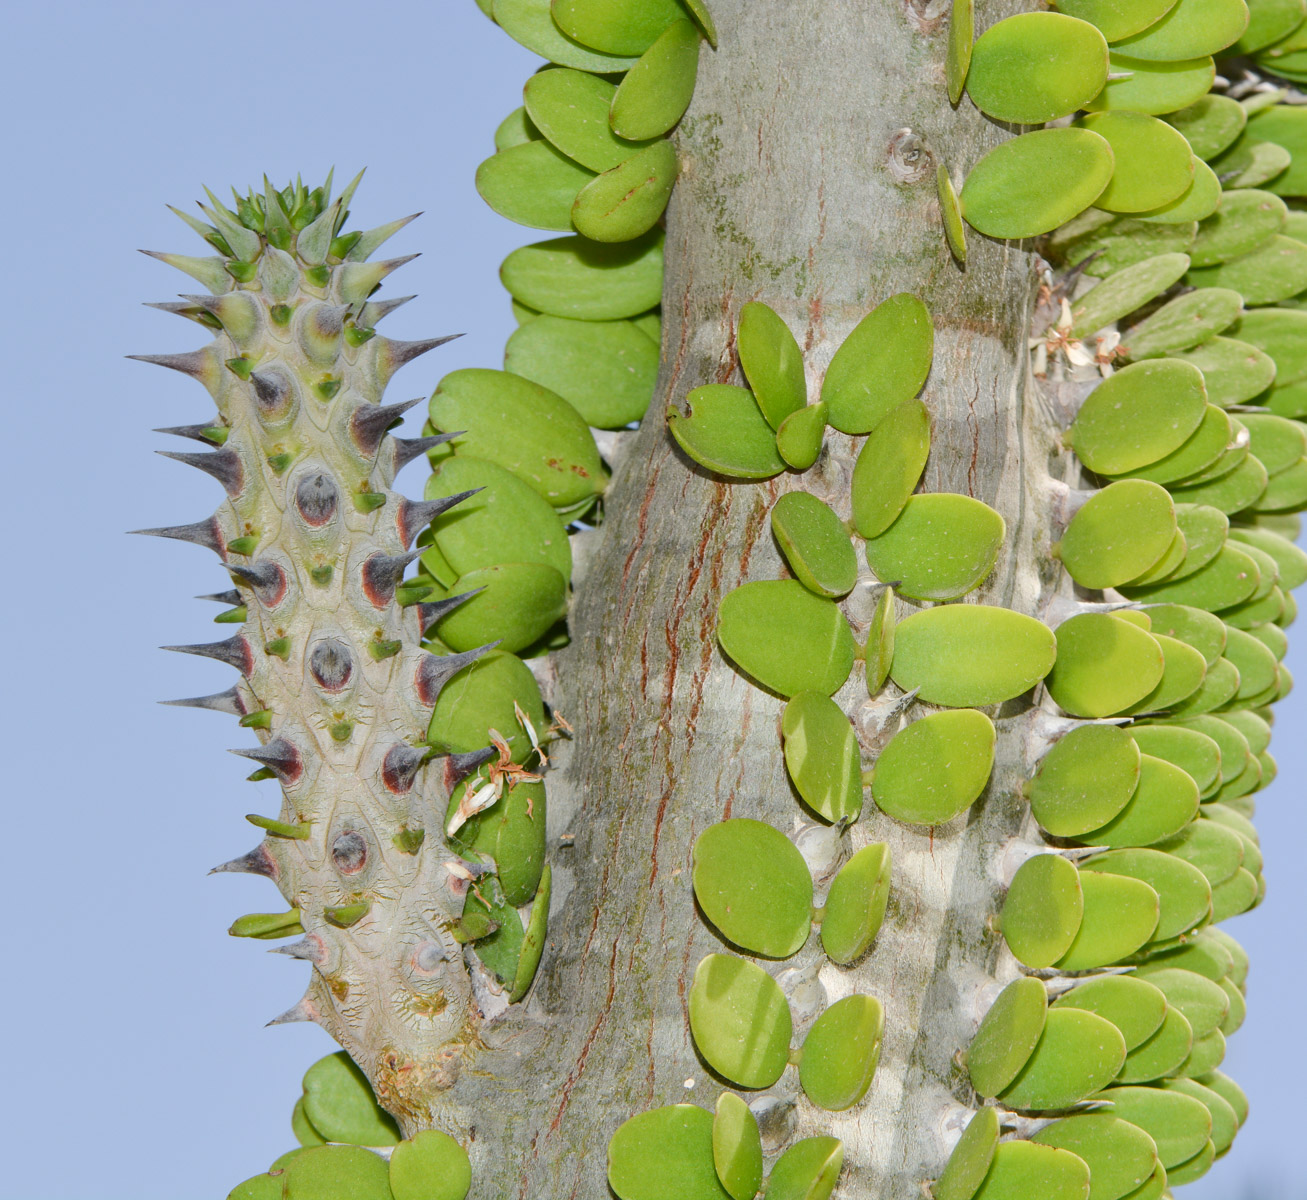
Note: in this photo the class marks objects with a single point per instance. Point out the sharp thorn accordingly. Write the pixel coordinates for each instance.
(230, 598)
(308, 949)
(279, 756)
(431, 612)
(265, 579)
(435, 670)
(257, 862)
(224, 702)
(302, 1011)
(407, 449)
(400, 766)
(197, 433)
(202, 533)
(415, 515)
(382, 573)
(369, 423)
(224, 465)
(457, 767)
(235, 652)
(195, 363)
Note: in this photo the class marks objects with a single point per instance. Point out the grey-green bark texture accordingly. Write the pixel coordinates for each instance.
(808, 182)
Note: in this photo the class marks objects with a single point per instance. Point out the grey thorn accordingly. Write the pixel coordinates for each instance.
(228, 702)
(279, 756)
(304, 949)
(435, 670)
(458, 767)
(230, 598)
(300, 1011)
(195, 432)
(407, 449)
(399, 353)
(270, 387)
(193, 363)
(234, 651)
(416, 515)
(382, 573)
(369, 422)
(224, 465)
(431, 612)
(265, 579)
(200, 533)
(256, 862)
(376, 310)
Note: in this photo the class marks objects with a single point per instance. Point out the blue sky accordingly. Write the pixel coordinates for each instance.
(136, 1060)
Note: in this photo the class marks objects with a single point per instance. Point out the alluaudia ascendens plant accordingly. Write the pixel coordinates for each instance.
(934, 902)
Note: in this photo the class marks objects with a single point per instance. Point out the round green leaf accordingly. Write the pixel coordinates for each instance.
(1117, 18)
(1192, 1168)
(889, 466)
(785, 637)
(1154, 87)
(1247, 219)
(1281, 333)
(570, 108)
(1036, 182)
(551, 448)
(1277, 442)
(1225, 1124)
(754, 886)
(1024, 1169)
(518, 602)
(532, 184)
(1178, 1124)
(1191, 29)
(1233, 371)
(801, 435)
(1183, 673)
(740, 1021)
(815, 544)
(1139, 415)
(1120, 1156)
(855, 905)
(482, 696)
(615, 26)
(507, 520)
(665, 1154)
(1193, 752)
(1290, 561)
(879, 651)
(1229, 579)
(336, 1173)
(302, 1127)
(1036, 67)
(1120, 916)
(1084, 780)
(772, 362)
(1042, 910)
(1116, 242)
(1134, 1006)
(971, 1158)
(657, 90)
(1283, 125)
(737, 1147)
(883, 362)
(1203, 1002)
(338, 1101)
(1165, 801)
(1119, 533)
(511, 831)
(1161, 1054)
(592, 281)
(841, 1051)
(965, 655)
(1274, 271)
(1254, 662)
(606, 370)
(726, 433)
(1229, 1091)
(1188, 320)
(935, 768)
(941, 546)
(515, 129)
(1126, 290)
(1104, 665)
(1197, 202)
(259, 1187)
(1211, 124)
(808, 1170)
(431, 1166)
(1205, 531)
(1285, 492)
(626, 201)
(1007, 1036)
(1077, 1054)
(1183, 892)
(1152, 163)
(531, 23)
(822, 755)
(1269, 21)
(1232, 492)
(1217, 689)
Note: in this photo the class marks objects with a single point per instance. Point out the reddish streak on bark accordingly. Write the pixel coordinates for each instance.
(637, 543)
(575, 1073)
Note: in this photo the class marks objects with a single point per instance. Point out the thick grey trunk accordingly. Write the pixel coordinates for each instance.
(809, 182)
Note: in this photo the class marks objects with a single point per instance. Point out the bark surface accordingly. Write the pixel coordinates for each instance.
(808, 182)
